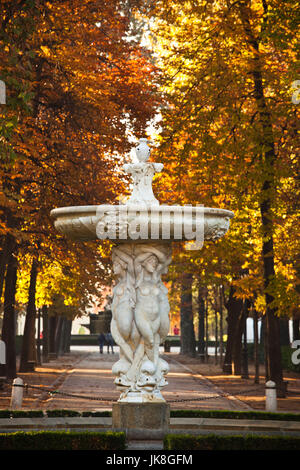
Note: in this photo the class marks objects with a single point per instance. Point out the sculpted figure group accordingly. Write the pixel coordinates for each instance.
(140, 316)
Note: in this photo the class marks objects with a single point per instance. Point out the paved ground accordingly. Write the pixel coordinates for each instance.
(86, 372)
(92, 377)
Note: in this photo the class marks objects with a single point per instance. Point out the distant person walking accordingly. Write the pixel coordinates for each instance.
(110, 342)
(101, 339)
(176, 330)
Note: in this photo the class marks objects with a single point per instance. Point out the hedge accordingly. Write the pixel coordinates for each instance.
(216, 442)
(217, 414)
(51, 413)
(21, 414)
(63, 440)
(224, 414)
(85, 340)
(96, 414)
(286, 356)
(62, 413)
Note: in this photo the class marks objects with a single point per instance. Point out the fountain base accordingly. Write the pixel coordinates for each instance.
(135, 418)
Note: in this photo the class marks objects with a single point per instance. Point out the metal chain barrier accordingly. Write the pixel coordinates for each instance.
(220, 395)
(292, 392)
(57, 392)
(112, 400)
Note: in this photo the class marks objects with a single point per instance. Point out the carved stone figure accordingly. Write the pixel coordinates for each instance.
(140, 315)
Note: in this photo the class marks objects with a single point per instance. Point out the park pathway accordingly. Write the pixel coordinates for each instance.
(91, 377)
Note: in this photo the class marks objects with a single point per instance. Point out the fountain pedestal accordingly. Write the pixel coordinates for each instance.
(147, 420)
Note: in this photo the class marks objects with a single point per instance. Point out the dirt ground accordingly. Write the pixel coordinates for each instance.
(52, 375)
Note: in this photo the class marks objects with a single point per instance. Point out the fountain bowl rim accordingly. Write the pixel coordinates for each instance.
(92, 209)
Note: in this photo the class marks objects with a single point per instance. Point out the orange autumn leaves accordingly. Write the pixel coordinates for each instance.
(76, 81)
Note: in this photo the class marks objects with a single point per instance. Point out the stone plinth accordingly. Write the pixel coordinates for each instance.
(141, 420)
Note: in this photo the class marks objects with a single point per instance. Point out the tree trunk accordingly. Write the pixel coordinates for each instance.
(67, 340)
(59, 335)
(201, 325)
(296, 332)
(9, 316)
(28, 354)
(52, 330)
(264, 342)
(245, 371)
(206, 329)
(227, 364)
(188, 342)
(221, 325)
(284, 331)
(62, 333)
(268, 158)
(45, 341)
(274, 367)
(38, 340)
(232, 359)
(5, 254)
(256, 345)
(216, 336)
(238, 335)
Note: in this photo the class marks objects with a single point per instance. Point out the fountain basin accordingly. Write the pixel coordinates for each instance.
(120, 223)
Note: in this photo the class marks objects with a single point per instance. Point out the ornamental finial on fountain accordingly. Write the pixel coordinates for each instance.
(142, 151)
(142, 174)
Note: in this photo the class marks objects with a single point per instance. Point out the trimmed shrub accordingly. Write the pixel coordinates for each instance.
(96, 414)
(62, 440)
(21, 414)
(217, 414)
(286, 358)
(27, 414)
(216, 442)
(62, 413)
(84, 340)
(224, 414)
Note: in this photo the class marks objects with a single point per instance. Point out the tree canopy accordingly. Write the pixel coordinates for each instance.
(83, 76)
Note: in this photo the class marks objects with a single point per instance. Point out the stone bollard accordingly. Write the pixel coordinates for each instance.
(271, 398)
(16, 394)
(2, 363)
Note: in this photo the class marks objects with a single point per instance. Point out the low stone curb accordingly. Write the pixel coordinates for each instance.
(177, 425)
(52, 424)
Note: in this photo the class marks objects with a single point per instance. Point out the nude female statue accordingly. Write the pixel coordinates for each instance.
(152, 308)
(140, 314)
(153, 315)
(123, 328)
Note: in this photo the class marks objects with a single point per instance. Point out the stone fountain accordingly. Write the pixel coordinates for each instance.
(142, 232)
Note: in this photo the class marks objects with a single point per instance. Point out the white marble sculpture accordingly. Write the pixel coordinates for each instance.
(140, 319)
(142, 174)
(140, 307)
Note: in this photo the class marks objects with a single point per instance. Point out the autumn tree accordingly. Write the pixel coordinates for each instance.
(77, 83)
(227, 135)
